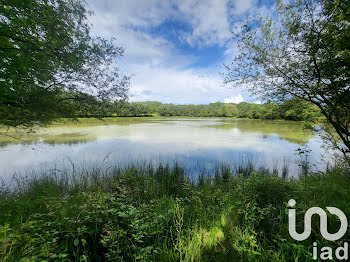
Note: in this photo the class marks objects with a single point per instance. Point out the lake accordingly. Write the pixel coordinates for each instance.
(199, 144)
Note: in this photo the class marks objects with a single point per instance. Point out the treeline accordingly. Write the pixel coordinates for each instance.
(290, 110)
(84, 105)
(89, 106)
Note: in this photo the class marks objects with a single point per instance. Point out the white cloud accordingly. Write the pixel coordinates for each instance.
(209, 20)
(171, 85)
(234, 99)
(241, 6)
(128, 20)
(162, 71)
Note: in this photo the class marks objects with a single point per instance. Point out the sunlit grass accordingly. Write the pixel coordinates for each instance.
(157, 213)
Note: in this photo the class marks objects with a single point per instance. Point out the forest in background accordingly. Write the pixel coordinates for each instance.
(295, 109)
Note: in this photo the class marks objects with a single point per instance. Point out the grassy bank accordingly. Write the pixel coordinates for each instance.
(141, 213)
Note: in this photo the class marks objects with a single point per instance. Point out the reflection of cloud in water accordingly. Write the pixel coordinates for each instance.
(193, 142)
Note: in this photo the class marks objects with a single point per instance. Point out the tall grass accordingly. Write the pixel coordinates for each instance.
(158, 213)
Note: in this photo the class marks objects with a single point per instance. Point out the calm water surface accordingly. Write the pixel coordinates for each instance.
(197, 143)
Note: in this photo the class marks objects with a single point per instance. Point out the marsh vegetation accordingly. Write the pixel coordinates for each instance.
(147, 213)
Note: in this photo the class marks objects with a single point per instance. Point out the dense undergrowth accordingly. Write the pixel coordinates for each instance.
(159, 214)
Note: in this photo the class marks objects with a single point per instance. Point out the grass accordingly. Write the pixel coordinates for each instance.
(145, 213)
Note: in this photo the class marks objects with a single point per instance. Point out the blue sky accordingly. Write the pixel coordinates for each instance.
(176, 49)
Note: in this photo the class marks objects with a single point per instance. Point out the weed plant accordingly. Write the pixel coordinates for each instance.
(147, 213)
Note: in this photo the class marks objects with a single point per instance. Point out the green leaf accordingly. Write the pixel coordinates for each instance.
(83, 241)
(76, 242)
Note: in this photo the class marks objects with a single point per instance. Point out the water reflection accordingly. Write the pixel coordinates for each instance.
(195, 142)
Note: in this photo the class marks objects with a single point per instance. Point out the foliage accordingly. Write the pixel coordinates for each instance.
(48, 57)
(290, 110)
(302, 52)
(145, 213)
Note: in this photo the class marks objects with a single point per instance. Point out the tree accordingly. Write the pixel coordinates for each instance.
(299, 110)
(230, 110)
(270, 111)
(152, 106)
(47, 52)
(302, 51)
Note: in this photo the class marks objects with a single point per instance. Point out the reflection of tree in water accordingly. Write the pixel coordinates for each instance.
(71, 142)
(3, 144)
(286, 130)
(61, 139)
(73, 138)
(6, 141)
